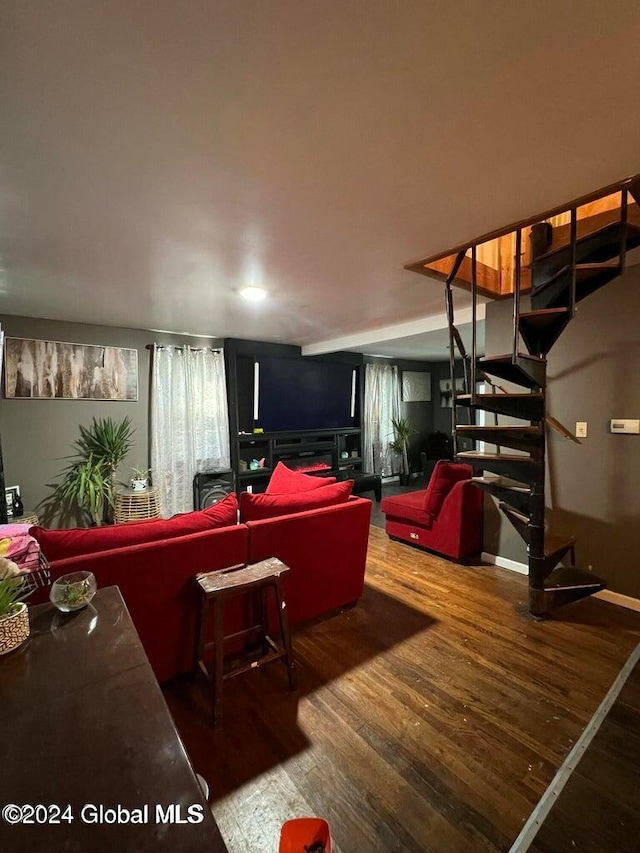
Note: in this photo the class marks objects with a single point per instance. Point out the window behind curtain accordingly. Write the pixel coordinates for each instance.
(189, 422)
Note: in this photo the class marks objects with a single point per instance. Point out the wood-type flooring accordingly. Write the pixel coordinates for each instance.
(431, 717)
(599, 808)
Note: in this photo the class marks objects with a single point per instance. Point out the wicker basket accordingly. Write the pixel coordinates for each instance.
(136, 506)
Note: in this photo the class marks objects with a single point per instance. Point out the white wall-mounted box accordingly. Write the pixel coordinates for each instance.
(625, 425)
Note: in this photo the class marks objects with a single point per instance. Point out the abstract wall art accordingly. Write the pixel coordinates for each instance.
(52, 370)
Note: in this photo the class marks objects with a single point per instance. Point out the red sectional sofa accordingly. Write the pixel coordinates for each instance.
(325, 548)
(446, 517)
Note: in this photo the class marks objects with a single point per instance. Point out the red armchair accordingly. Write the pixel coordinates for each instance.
(446, 517)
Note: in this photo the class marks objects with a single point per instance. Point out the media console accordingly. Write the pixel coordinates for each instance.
(318, 452)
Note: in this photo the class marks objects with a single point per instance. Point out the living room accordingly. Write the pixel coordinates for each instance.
(158, 159)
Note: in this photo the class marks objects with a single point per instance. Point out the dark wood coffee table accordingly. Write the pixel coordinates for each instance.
(85, 724)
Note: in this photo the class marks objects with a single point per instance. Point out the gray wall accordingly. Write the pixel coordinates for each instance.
(36, 434)
(593, 489)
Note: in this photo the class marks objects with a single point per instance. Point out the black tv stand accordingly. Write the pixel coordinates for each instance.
(319, 452)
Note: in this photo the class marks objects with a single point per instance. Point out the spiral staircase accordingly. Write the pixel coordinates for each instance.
(510, 459)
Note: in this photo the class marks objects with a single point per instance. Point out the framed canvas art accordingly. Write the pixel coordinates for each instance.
(53, 370)
(416, 386)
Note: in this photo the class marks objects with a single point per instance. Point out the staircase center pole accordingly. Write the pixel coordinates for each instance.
(537, 599)
(474, 334)
(538, 605)
(516, 296)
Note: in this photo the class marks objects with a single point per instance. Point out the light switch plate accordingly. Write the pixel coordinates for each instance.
(581, 429)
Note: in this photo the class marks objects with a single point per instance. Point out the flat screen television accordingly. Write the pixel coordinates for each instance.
(292, 394)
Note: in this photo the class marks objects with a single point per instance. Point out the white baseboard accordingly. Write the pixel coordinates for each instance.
(505, 563)
(522, 569)
(619, 599)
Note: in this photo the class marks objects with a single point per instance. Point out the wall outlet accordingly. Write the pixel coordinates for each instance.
(581, 429)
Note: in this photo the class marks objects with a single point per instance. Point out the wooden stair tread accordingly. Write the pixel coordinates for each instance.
(525, 438)
(503, 483)
(554, 542)
(602, 265)
(583, 239)
(544, 314)
(527, 406)
(519, 394)
(526, 370)
(496, 457)
(489, 429)
(570, 577)
(583, 273)
(507, 359)
(541, 328)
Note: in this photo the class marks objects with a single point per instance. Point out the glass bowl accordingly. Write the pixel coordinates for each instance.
(74, 591)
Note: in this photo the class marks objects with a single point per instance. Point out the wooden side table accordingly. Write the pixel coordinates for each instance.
(130, 505)
(216, 587)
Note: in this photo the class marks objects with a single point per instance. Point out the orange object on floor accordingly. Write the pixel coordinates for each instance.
(311, 833)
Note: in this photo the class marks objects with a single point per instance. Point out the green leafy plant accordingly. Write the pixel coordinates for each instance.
(141, 473)
(107, 442)
(86, 484)
(13, 590)
(88, 481)
(402, 432)
(76, 594)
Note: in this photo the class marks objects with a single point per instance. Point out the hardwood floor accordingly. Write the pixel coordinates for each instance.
(598, 808)
(431, 717)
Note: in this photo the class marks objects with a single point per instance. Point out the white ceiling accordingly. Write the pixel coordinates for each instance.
(157, 155)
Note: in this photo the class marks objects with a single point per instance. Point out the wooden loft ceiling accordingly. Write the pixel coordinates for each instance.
(495, 252)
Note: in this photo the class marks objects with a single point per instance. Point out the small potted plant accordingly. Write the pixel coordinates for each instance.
(14, 616)
(74, 591)
(140, 479)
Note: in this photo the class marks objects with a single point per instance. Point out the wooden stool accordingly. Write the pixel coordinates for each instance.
(216, 587)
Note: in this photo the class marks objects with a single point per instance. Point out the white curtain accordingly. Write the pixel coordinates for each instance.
(381, 404)
(189, 422)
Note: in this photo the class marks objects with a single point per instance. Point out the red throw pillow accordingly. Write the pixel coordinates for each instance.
(255, 507)
(284, 481)
(59, 544)
(445, 475)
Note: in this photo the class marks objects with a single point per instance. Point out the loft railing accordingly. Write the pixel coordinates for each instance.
(489, 281)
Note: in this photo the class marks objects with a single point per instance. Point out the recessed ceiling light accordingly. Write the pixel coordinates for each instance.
(253, 294)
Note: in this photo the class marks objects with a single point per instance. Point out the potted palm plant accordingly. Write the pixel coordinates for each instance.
(88, 482)
(14, 617)
(402, 432)
(108, 443)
